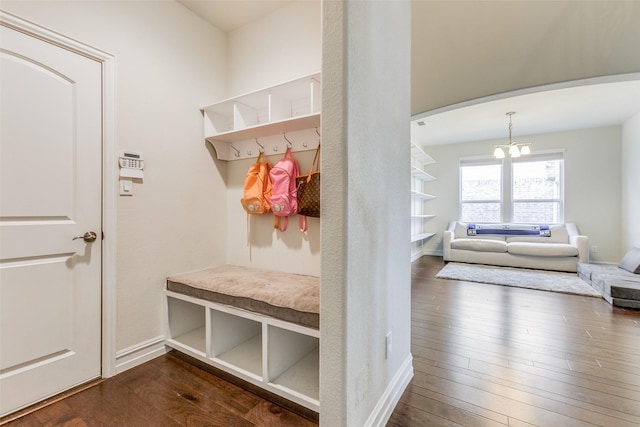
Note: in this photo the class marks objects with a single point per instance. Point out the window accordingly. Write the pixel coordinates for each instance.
(533, 190)
(480, 191)
(537, 190)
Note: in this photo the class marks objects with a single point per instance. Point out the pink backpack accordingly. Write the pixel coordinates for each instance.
(284, 193)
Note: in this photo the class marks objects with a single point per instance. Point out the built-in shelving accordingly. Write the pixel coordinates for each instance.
(419, 155)
(420, 236)
(416, 172)
(422, 196)
(277, 356)
(419, 218)
(274, 117)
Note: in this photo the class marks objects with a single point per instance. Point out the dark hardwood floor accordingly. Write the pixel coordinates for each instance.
(484, 355)
(487, 355)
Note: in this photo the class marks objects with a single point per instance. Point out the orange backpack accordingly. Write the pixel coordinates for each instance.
(257, 188)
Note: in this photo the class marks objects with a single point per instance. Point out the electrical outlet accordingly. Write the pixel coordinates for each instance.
(387, 345)
(594, 249)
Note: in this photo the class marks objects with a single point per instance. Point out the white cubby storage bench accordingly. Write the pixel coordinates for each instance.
(258, 325)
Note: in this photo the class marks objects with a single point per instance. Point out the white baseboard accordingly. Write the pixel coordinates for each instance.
(416, 255)
(389, 399)
(433, 252)
(139, 353)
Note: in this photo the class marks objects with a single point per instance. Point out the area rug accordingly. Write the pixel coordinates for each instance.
(568, 283)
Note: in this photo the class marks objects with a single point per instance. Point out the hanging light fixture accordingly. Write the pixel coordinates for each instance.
(514, 149)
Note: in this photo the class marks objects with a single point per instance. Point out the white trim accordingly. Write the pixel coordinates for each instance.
(140, 353)
(417, 255)
(389, 399)
(109, 174)
(433, 252)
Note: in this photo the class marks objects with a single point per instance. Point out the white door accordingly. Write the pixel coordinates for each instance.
(50, 192)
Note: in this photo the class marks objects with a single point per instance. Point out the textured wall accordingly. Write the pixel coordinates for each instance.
(366, 281)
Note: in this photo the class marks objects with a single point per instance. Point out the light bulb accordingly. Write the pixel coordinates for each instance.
(498, 153)
(525, 150)
(513, 151)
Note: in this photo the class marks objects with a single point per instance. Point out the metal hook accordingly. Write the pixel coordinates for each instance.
(289, 143)
(275, 148)
(237, 152)
(318, 132)
(260, 145)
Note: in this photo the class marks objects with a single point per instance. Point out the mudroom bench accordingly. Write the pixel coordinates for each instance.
(258, 325)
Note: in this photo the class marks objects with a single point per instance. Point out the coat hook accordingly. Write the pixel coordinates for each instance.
(260, 145)
(275, 148)
(237, 152)
(289, 143)
(318, 132)
(249, 153)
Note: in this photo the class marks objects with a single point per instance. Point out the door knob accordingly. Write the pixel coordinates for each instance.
(88, 237)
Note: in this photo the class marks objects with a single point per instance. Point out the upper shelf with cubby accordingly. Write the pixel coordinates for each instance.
(418, 154)
(286, 114)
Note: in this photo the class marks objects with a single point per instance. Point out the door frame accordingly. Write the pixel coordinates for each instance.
(109, 175)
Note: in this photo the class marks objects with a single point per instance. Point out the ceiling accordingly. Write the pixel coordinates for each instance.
(587, 105)
(539, 110)
(228, 15)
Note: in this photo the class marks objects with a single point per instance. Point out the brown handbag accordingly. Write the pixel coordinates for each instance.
(309, 193)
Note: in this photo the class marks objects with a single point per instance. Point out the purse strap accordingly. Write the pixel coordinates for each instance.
(314, 164)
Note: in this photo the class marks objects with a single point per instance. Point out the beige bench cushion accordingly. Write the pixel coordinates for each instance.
(290, 297)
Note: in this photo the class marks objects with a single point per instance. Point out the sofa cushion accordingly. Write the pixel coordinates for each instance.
(542, 249)
(559, 234)
(481, 245)
(631, 261)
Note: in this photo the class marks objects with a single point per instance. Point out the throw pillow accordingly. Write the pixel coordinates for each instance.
(631, 261)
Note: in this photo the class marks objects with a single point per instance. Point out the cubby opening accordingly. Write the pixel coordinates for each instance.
(293, 362)
(237, 342)
(187, 324)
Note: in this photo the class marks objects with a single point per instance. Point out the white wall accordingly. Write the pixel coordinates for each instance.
(366, 280)
(279, 47)
(593, 196)
(169, 63)
(469, 49)
(630, 183)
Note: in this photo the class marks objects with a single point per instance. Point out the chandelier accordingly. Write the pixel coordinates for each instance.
(514, 149)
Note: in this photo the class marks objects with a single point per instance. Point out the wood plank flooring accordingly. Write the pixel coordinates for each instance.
(484, 355)
(167, 391)
(487, 355)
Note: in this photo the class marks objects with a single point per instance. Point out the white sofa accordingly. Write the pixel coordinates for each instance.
(562, 250)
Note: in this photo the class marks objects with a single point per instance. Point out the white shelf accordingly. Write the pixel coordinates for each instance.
(423, 216)
(246, 356)
(420, 195)
(303, 377)
(418, 154)
(286, 108)
(421, 236)
(195, 339)
(420, 174)
(186, 324)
